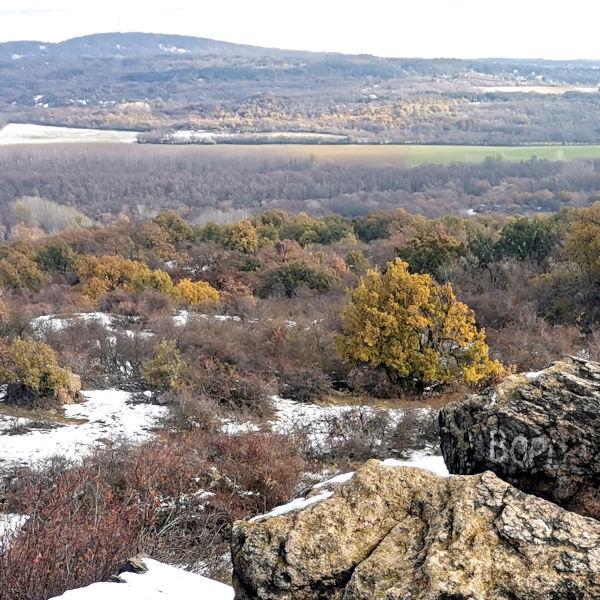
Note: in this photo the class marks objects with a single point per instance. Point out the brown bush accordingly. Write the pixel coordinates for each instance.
(79, 531)
(305, 385)
(533, 346)
(190, 410)
(174, 497)
(232, 388)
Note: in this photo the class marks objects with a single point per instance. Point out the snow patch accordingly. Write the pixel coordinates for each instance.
(160, 582)
(293, 506)
(533, 374)
(105, 415)
(421, 460)
(24, 133)
(10, 524)
(56, 323)
(338, 479)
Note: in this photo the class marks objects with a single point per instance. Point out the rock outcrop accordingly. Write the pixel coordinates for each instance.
(540, 432)
(399, 533)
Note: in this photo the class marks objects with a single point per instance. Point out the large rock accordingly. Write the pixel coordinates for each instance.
(540, 432)
(398, 533)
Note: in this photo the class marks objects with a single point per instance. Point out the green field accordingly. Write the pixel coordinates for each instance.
(416, 155)
(382, 155)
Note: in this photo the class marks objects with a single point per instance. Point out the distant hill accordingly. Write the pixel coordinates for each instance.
(153, 82)
(129, 45)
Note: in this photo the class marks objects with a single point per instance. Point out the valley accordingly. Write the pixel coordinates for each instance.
(296, 324)
(223, 146)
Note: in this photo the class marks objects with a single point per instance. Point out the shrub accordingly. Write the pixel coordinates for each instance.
(305, 385)
(191, 410)
(529, 239)
(174, 497)
(33, 365)
(230, 387)
(57, 257)
(289, 278)
(196, 292)
(19, 270)
(177, 229)
(164, 370)
(79, 530)
(241, 237)
(428, 252)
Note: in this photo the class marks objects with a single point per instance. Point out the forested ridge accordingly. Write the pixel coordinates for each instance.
(160, 83)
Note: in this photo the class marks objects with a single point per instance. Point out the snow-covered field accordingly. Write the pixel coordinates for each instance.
(105, 415)
(160, 582)
(109, 414)
(23, 133)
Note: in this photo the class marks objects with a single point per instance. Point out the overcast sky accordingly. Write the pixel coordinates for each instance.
(453, 28)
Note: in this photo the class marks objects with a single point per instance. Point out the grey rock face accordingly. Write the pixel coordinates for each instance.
(394, 533)
(540, 432)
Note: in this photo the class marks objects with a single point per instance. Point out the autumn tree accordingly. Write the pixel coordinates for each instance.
(196, 292)
(57, 256)
(288, 278)
(102, 274)
(528, 239)
(152, 242)
(414, 329)
(583, 241)
(19, 269)
(177, 229)
(429, 251)
(241, 236)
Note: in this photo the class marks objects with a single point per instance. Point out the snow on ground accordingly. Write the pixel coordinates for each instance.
(160, 582)
(10, 524)
(105, 415)
(110, 322)
(314, 418)
(58, 323)
(342, 478)
(315, 421)
(19, 133)
(203, 136)
(533, 374)
(182, 317)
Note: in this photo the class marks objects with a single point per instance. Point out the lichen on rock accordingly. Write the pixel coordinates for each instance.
(401, 533)
(540, 432)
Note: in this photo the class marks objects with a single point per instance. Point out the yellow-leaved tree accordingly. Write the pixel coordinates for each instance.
(415, 329)
(583, 241)
(196, 292)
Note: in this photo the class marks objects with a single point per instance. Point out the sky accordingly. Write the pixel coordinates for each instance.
(552, 29)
